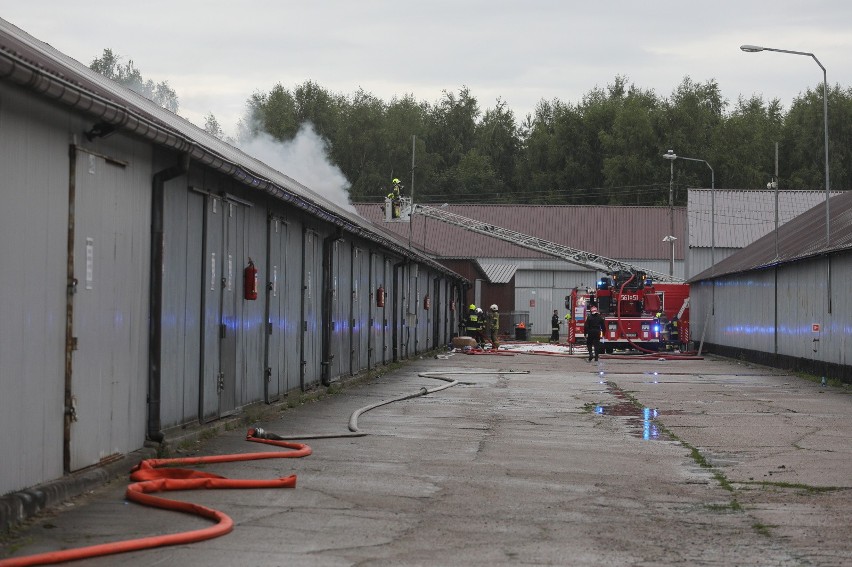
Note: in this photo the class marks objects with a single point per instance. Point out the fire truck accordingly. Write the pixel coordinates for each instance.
(643, 309)
(639, 313)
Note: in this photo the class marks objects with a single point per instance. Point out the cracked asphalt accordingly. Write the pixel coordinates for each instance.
(544, 460)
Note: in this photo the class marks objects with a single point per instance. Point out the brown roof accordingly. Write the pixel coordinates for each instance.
(614, 232)
(800, 238)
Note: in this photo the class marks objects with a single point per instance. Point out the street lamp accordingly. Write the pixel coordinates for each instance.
(671, 239)
(671, 156)
(712, 202)
(756, 49)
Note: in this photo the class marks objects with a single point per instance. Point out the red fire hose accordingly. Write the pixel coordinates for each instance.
(150, 478)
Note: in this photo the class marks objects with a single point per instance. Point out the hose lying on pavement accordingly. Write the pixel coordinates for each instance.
(149, 478)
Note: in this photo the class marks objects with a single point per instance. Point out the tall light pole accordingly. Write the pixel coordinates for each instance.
(671, 156)
(756, 49)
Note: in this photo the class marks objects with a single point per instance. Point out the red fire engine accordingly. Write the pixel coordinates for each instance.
(639, 313)
(643, 309)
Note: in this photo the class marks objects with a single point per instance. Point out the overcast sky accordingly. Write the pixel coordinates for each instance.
(215, 54)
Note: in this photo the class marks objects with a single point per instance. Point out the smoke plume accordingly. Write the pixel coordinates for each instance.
(305, 159)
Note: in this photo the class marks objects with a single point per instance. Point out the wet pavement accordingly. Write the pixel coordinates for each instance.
(533, 459)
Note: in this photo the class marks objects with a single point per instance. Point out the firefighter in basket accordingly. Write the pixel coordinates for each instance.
(394, 198)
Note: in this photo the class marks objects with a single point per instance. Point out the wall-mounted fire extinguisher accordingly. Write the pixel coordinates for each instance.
(380, 297)
(250, 281)
(427, 303)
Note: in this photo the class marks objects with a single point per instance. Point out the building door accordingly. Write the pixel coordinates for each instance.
(276, 320)
(311, 316)
(222, 225)
(107, 311)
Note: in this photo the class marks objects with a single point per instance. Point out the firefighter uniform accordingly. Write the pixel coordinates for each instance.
(471, 326)
(594, 328)
(554, 327)
(494, 326)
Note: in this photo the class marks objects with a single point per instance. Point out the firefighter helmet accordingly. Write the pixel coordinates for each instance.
(494, 307)
(472, 307)
(395, 181)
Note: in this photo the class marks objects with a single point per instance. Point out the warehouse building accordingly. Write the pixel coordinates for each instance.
(157, 278)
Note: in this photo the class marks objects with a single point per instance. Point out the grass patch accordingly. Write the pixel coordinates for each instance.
(762, 529)
(810, 489)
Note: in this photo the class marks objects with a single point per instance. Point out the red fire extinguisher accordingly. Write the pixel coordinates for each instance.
(427, 303)
(380, 297)
(250, 281)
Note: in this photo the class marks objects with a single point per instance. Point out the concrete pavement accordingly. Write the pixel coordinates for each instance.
(631, 461)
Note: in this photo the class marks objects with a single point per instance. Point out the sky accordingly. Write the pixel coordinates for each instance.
(216, 54)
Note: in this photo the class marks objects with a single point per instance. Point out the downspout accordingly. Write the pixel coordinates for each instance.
(327, 302)
(395, 319)
(155, 295)
(371, 307)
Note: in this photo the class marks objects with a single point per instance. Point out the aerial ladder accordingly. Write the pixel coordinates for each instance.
(573, 255)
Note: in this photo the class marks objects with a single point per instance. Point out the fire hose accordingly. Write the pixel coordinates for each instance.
(150, 477)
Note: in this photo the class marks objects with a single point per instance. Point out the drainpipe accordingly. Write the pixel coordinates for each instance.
(155, 297)
(327, 302)
(394, 296)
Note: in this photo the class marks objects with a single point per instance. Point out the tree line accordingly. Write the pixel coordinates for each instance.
(605, 149)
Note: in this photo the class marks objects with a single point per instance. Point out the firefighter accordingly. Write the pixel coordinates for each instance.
(494, 326)
(471, 326)
(480, 331)
(393, 197)
(594, 328)
(554, 327)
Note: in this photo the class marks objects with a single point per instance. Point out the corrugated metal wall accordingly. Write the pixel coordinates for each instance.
(748, 308)
(33, 218)
(110, 188)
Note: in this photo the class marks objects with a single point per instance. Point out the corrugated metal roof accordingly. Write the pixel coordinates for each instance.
(743, 216)
(498, 273)
(800, 238)
(613, 232)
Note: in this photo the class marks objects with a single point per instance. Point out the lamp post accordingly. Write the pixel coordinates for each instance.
(756, 49)
(671, 156)
(671, 239)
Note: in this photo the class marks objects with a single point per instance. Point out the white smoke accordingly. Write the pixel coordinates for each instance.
(305, 159)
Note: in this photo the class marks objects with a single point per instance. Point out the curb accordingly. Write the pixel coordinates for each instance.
(17, 507)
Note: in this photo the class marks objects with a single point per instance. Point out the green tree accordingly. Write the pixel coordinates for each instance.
(498, 140)
(109, 65)
(749, 162)
(212, 127)
(630, 147)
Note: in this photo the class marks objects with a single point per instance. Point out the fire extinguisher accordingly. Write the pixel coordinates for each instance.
(380, 297)
(427, 303)
(250, 281)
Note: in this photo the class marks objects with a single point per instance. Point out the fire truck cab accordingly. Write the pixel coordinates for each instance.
(639, 314)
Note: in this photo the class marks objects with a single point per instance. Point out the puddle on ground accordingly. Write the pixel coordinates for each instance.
(640, 419)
